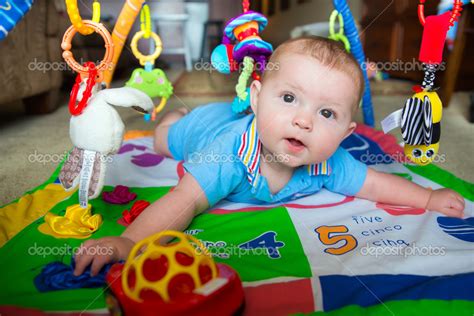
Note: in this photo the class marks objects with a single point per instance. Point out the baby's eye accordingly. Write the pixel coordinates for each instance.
(327, 113)
(288, 98)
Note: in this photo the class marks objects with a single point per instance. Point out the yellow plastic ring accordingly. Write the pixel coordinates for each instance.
(144, 58)
(161, 105)
(75, 17)
(332, 19)
(145, 20)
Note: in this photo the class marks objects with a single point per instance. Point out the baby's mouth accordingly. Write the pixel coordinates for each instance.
(295, 145)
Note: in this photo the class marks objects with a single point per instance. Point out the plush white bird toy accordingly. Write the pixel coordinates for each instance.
(96, 134)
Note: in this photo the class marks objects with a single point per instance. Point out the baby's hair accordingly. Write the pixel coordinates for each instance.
(328, 52)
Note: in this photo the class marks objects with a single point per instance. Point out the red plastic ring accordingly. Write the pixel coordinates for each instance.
(91, 80)
(456, 13)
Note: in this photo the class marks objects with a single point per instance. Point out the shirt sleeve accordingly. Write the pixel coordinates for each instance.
(216, 168)
(347, 174)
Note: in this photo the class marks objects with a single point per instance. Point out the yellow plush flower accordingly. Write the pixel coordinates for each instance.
(78, 222)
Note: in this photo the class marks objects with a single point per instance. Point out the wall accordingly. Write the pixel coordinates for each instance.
(281, 24)
(225, 9)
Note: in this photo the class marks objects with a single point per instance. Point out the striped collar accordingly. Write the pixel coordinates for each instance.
(249, 153)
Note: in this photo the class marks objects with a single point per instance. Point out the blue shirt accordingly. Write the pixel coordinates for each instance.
(221, 150)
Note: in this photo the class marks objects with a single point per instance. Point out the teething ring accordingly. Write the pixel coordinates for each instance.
(157, 109)
(144, 58)
(68, 56)
(91, 81)
(457, 8)
(339, 36)
(145, 20)
(75, 17)
(332, 19)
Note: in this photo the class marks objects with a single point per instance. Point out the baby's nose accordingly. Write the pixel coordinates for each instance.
(303, 122)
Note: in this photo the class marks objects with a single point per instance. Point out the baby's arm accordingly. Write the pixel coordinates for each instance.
(173, 211)
(391, 189)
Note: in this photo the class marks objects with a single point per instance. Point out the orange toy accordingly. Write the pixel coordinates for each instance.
(123, 26)
(68, 56)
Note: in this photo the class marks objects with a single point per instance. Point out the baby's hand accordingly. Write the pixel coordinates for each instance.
(446, 201)
(99, 252)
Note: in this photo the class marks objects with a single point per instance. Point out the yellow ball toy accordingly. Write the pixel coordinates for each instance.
(155, 270)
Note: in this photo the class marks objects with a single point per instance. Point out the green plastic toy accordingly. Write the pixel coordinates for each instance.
(154, 83)
(151, 81)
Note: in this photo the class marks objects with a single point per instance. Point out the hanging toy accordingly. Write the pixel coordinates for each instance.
(339, 36)
(248, 50)
(123, 25)
(177, 278)
(151, 81)
(96, 129)
(75, 17)
(420, 118)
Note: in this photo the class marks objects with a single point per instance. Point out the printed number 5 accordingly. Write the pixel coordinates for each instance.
(325, 235)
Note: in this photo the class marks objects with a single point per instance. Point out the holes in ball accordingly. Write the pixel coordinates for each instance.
(183, 258)
(131, 278)
(167, 241)
(147, 294)
(205, 273)
(179, 285)
(155, 269)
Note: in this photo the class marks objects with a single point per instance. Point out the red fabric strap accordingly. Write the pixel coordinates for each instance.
(434, 36)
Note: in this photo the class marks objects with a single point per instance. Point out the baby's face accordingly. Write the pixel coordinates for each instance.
(303, 109)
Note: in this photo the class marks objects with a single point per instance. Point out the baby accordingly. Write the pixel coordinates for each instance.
(289, 147)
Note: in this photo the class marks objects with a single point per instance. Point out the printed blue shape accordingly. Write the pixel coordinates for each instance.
(459, 228)
(267, 241)
(365, 150)
(368, 290)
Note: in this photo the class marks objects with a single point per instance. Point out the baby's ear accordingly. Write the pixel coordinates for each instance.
(254, 92)
(350, 129)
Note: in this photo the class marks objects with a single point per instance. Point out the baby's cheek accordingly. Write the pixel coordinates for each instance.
(325, 144)
(268, 139)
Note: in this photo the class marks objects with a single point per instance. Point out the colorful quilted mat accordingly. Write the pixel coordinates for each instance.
(324, 254)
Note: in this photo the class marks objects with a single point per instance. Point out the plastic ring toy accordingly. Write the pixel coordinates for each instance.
(457, 8)
(332, 19)
(144, 58)
(161, 105)
(75, 17)
(339, 36)
(68, 56)
(145, 21)
(91, 81)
